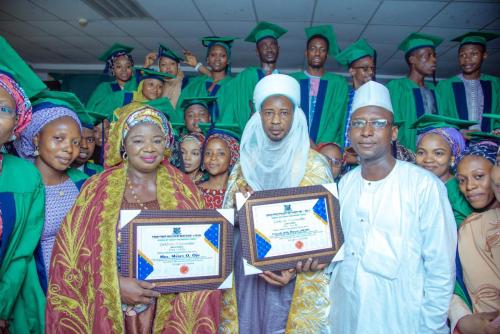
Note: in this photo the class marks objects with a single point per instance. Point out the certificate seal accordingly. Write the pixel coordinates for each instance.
(299, 244)
(184, 269)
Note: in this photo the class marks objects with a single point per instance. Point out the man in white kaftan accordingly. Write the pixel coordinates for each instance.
(397, 273)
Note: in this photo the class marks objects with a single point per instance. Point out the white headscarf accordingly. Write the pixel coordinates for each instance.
(268, 164)
(372, 93)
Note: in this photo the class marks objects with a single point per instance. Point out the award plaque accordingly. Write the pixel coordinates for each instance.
(282, 227)
(179, 251)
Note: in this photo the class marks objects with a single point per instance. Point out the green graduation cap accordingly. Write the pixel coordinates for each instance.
(263, 30)
(209, 40)
(475, 37)
(417, 40)
(326, 31)
(164, 51)
(492, 116)
(427, 122)
(66, 99)
(229, 128)
(99, 117)
(14, 66)
(114, 49)
(88, 121)
(355, 51)
(147, 73)
(201, 100)
(482, 136)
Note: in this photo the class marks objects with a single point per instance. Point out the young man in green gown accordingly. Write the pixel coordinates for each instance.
(238, 107)
(471, 93)
(411, 96)
(323, 94)
(359, 59)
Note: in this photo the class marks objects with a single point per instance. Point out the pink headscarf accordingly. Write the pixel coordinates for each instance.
(23, 104)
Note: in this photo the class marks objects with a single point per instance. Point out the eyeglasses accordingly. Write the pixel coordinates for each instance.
(365, 68)
(376, 123)
(6, 112)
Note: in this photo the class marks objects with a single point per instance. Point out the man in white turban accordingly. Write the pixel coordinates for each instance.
(398, 267)
(275, 153)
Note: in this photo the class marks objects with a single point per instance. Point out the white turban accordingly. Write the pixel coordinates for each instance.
(276, 84)
(372, 94)
(268, 164)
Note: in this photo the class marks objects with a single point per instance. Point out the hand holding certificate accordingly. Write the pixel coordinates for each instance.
(178, 250)
(282, 227)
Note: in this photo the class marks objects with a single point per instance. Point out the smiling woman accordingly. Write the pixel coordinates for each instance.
(473, 175)
(220, 153)
(439, 144)
(52, 142)
(97, 298)
(21, 210)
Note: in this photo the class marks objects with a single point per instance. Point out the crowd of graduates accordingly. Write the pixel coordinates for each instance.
(155, 138)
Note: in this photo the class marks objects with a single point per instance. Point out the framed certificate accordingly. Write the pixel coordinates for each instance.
(182, 250)
(281, 227)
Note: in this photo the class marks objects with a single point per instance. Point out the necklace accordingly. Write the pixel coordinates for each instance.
(61, 192)
(134, 194)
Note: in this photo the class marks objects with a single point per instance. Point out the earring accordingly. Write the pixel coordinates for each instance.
(36, 153)
(124, 156)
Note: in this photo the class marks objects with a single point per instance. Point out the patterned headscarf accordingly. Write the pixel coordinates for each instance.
(232, 144)
(451, 135)
(110, 62)
(486, 149)
(131, 115)
(194, 136)
(23, 104)
(43, 114)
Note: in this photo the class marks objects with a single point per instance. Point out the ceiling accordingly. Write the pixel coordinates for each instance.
(47, 33)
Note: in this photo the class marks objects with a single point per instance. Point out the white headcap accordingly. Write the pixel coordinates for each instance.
(276, 84)
(372, 94)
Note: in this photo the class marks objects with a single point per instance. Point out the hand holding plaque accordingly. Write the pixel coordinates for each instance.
(178, 250)
(282, 227)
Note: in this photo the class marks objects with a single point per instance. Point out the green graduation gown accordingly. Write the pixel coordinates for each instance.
(198, 87)
(329, 117)
(104, 89)
(452, 100)
(408, 105)
(237, 103)
(90, 168)
(164, 105)
(22, 201)
(460, 206)
(122, 98)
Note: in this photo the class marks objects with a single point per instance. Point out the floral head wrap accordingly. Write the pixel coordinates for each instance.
(231, 142)
(23, 104)
(131, 115)
(194, 136)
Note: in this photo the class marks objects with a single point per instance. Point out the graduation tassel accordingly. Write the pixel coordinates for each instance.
(375, 65)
